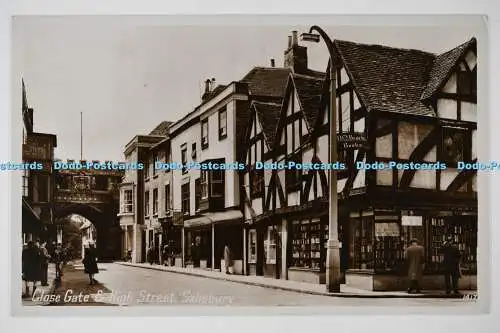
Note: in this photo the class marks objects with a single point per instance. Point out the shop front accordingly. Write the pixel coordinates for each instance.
(266, 237)
(206, 236)
(379, 238)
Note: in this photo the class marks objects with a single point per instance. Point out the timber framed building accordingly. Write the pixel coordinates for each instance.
(412, 106)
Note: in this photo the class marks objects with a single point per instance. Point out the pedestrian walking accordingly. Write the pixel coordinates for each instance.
(90, 263)
(415, 256)
(451, 262)
(228, 259)
(58, 259)
(30, 267)
(44, 263)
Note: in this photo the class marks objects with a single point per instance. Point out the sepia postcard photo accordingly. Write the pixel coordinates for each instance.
(172, 162)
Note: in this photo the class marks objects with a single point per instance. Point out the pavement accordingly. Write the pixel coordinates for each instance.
(294, 286)
(51, 276)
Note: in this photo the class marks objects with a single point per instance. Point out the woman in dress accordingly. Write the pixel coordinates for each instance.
(90, 263)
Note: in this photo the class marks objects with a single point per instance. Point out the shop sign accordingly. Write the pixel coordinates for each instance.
(387, 229)
(414, 221)
(351, 140)
(37, 149)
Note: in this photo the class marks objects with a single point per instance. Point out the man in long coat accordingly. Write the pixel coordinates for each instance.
(451, 262)
(415, 257)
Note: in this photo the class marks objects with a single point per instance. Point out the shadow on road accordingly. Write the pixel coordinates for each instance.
(74, 289)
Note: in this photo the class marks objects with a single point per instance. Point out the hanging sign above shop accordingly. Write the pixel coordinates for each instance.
(351, 140)
(413, 221)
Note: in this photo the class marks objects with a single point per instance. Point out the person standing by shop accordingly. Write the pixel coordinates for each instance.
(44, 263)
(150, 254)
(30, 267)
(195, 251)
(415, 256)
(228, 259)
(90, 263)
(451, 262)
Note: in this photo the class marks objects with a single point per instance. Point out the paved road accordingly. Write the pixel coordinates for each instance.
(124, 285)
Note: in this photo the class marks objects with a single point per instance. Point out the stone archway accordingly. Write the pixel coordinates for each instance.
(108, 232)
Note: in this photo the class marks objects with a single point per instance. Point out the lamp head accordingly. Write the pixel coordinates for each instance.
(310, 37)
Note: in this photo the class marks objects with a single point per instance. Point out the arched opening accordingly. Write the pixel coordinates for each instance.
(88, 224)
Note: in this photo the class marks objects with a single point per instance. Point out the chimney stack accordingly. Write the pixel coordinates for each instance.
(212, 84)
(296, 55)
(207, 85)
(295, 40)
(272, 63)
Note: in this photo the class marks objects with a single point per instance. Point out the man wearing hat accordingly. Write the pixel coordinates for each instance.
(451, 262)
(415, 256)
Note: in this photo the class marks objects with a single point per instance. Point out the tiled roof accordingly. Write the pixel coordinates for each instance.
(161, 129)
(397, 80)
(309, 90)
(385, 78)
(442, 66)
(267, 81)
(268, 114)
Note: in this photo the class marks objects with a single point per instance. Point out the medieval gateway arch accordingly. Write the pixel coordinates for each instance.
(94, 195)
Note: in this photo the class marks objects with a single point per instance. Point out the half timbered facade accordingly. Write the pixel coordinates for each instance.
(414, 108)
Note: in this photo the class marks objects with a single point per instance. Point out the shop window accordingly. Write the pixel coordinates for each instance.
(270, 246)
(204, 134)
(146, 203)
(361, 247)
(252, 246)
(127, 202)
(223, 123)
(464, 230)
(388, 249)
(185, 198)
(308, 243)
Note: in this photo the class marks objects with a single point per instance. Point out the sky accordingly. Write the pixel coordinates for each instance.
(127, 74)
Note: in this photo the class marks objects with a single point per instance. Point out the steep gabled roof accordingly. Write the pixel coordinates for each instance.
(386, 78)
(268, 115)
(267, 81)
(161, 129)
(442, 66)
(309, 90)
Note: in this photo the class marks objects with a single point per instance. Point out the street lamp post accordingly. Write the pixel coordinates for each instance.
(333, 277)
